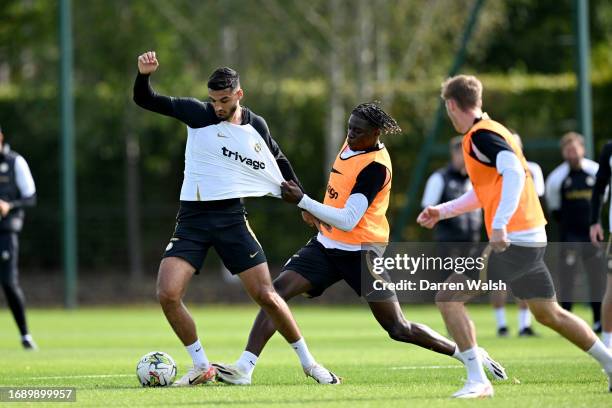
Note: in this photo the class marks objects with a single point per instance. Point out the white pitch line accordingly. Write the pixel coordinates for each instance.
(424, 367)
(61, 377)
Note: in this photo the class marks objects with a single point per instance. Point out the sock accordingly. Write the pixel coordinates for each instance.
(26, 337)
(301, 349)
(196, 351)
(246, 362)
(524, 318)
(457, 354)
(500, 316)
(606, 339)
(602, 354)
(473, 364)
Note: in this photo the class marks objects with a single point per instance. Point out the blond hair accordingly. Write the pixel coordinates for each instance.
(465, 90)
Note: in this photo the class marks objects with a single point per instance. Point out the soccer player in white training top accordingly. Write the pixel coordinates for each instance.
(229, 155)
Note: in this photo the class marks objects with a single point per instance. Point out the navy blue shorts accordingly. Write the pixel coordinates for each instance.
(220, 224)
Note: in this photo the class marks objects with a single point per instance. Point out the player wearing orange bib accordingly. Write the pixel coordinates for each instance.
(353, 213)
(504, 189)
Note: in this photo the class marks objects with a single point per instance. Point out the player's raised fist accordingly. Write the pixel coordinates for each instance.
(147, 62)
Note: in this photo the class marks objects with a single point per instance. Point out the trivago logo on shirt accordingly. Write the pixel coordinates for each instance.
(256, 165)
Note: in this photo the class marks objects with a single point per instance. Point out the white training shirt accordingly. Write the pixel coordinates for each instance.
(225, 161)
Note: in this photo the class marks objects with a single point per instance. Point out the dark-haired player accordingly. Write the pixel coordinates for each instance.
(354, 207)
(229, 155)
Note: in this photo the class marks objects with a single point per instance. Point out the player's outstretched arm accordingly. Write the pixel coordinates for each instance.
(430, 216)
(144, 95)
(190, 111)
(369, 182)
(345, 219)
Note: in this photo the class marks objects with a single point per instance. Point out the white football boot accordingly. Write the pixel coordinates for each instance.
(498, 372)
(473, 389)
(321, 374)
(231, 374)
(196, 376)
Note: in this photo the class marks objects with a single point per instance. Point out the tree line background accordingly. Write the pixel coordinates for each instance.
(303, 65)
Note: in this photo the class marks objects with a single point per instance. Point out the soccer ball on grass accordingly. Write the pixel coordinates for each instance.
(156, 369)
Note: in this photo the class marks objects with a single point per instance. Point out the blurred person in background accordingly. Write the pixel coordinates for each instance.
(17, 191)
(602, 183)
(568, 196)
(499, 298)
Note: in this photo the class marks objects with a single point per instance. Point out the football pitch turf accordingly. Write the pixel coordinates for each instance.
(96, 351)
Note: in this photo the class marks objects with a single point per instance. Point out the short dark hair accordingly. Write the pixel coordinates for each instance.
(377, 117)
(223, 78)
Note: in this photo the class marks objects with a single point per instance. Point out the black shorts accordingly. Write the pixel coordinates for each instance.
(323, 267)
(524, 271)
(221, 224)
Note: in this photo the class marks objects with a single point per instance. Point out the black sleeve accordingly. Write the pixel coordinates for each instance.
(23, 202)
(190, 111)
(601, 182)
(489, 144)
(283, 163)
(371, 180)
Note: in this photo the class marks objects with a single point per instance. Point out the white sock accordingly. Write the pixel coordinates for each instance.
(524, 318)
(606, 339)
(301, 350)
(196, 351)
(602, 354)
(457, 354)
(246, 362)
(26, 337)
(500, 316)
(473, 364)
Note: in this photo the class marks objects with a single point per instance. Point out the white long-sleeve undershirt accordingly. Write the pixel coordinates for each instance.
(513, 180)
(345, 219)
(460, 205)
(509, 167)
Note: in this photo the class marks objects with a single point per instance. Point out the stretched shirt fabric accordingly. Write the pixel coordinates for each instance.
(228, 161)
(222, 160)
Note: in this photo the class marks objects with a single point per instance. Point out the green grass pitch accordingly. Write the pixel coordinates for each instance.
(96, 351)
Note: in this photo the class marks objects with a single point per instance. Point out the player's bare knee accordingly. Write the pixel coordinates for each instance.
(400, 331)
(549, 317)
(168, 296)
(266, 298)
